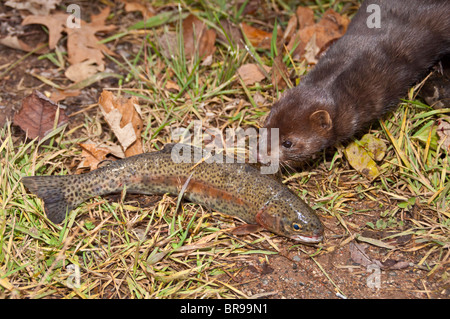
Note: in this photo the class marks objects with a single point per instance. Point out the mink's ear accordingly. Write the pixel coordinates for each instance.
(321, 120)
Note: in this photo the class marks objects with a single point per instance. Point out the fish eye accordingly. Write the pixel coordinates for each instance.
(296, 226)
(287, 144)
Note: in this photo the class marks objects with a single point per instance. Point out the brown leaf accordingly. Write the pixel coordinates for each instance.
(55, 24)
(257, 37)
(125, 121)
(82, 44)
(83, 47)
(59, 95)
(291, 29)
(395, 264)
(114, 149)
(36, 7)
(197, 38)
(80, 71)
(37, 115)
(333, 21)
(251, 73)
(304, 36)
(92, 155)
(15, 43)
(145, 8)
(311, 51)
(305, 17)
(172, 86)
(358, 254)
(331, 27)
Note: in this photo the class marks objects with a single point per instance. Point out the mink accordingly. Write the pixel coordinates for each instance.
(361, 76)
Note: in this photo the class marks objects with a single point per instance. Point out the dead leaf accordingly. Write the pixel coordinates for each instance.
(59, 95)
(114, 149)
(362, 155)
(305, 17)
(125, 121)
(145, 8)
(334, 22)
(172, 86)
(375, 147)
(311, 51)
(80, 71)
(92, 155)
(393, 264)
(197, 38)
(55, 24)
(358, 255)
(83, 47)
(82, 44)
(443, 131)
(37, 115)
(15, 43)
(251, 73)
(330, 27)
(36, 7)
(259, 99)
(257, 37)
(208, 60)
(291, 28)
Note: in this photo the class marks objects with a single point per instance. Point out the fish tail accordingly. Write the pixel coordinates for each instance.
(53, 190)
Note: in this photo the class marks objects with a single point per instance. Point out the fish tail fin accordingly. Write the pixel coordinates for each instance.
(53, 191)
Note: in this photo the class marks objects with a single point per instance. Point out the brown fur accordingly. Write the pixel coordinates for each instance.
(361, 76)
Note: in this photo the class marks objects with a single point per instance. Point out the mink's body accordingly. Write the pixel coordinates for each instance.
(361, 76)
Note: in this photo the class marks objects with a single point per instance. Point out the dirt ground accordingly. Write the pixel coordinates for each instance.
(335, 273)
(295, 275)
(332, 273)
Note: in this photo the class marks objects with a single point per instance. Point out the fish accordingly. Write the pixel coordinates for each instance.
(227, 186)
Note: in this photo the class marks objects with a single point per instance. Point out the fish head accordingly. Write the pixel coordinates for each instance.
(300, 224)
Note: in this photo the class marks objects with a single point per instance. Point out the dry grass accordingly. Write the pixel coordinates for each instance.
(128, 248)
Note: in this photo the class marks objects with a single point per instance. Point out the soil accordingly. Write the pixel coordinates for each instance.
(296, 275)
(291, 273)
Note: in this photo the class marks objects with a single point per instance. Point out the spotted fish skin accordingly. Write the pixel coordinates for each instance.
(235, 189)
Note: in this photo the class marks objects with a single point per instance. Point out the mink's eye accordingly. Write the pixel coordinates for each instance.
(287, 144)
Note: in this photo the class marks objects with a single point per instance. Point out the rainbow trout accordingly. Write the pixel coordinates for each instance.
(234, 189)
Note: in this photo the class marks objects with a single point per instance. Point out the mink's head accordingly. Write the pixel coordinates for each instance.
(305, 123)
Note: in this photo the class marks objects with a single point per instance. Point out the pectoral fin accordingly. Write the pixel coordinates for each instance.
(246, 229)
(264, 219)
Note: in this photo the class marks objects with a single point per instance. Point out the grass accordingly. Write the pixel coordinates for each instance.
(115, 255)
(126, 247)
(122, 251)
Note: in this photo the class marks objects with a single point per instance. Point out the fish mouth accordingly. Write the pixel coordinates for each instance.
(314, 239)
